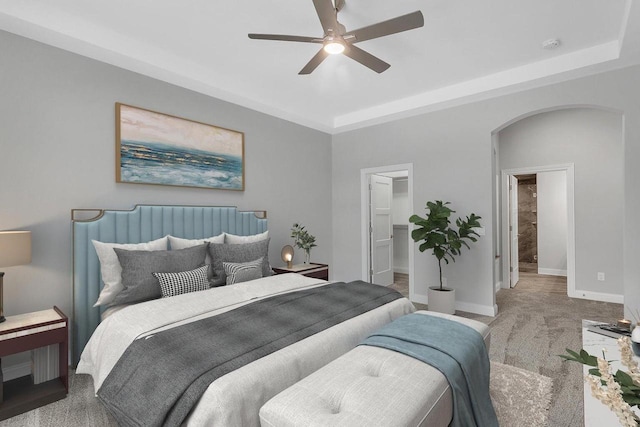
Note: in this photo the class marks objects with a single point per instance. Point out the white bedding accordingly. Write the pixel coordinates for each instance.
(235, 398)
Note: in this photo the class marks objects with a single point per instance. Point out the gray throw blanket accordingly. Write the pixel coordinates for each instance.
(456, 350)
(159, 379)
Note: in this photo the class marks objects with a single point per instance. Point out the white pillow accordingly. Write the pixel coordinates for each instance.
(110, 267)
(180, 243)
(238, 240)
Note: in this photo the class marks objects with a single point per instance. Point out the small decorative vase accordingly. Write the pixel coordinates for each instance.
(307, 256)
(635, 340)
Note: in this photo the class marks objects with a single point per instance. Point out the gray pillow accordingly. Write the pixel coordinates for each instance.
(242, 271)
(237, 254)
(138, 268)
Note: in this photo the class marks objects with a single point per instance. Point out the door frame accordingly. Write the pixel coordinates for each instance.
(364, 217)
(571, 221)
(513, 229)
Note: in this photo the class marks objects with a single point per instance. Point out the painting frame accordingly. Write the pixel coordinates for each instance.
(162, 149)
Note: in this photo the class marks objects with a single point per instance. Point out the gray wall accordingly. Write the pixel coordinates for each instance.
(591, 139)
(57, 146)
(552, 223)
(452, 157)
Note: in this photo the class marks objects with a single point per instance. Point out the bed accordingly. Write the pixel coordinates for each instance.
(235, 398)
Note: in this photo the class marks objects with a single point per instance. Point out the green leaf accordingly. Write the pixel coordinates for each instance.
(595, 372)
(573, 353)
(623, 378)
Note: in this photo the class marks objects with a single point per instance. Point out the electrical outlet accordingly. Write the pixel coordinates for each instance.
(601, 276)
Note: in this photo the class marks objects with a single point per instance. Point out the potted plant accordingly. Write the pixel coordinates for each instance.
(436, 232)
(303, 240)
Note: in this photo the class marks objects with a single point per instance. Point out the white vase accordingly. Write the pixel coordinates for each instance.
(635, 340)
(442, 301)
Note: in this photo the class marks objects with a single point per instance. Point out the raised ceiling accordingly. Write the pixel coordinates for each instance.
(466, 49)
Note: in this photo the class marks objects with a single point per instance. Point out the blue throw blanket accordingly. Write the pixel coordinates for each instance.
(456, 350)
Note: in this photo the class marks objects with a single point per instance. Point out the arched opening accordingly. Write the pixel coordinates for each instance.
(586, 143)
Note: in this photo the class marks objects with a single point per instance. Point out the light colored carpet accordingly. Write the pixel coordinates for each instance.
(520, 398)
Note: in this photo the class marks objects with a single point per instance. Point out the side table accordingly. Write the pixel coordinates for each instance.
(316, 270)
(27, 332)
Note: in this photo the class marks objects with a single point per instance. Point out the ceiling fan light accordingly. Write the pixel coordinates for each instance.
(334, 47)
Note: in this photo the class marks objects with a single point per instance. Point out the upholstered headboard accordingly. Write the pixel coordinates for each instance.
(142, 224)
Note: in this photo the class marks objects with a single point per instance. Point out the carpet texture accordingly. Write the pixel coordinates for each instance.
(520, 398)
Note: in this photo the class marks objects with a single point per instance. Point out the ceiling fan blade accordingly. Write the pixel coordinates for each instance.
(366, 59)
(285, 38)
(385, 28)
(315, 61)
(327, 14)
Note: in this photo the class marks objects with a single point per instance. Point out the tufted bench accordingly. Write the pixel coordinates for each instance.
(368, 386)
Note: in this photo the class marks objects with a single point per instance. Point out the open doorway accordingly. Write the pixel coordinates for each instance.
(538, 232)
(386, 205)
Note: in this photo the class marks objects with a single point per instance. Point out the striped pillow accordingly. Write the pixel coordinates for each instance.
(243, 272)
(172, 284)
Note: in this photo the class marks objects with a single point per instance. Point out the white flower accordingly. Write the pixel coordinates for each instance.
(608, 391)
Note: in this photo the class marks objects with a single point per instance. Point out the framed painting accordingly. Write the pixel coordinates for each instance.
(156, 148)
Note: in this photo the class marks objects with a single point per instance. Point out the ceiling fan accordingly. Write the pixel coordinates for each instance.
(337, 39)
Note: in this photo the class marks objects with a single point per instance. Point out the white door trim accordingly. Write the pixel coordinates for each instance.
(364, 214)
(571, 234)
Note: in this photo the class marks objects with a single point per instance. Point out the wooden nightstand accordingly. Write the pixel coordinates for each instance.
(318, 271)
(27, 332)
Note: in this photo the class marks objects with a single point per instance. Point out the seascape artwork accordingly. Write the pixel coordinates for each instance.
(155, 148)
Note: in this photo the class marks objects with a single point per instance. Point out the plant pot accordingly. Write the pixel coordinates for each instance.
(442, 301)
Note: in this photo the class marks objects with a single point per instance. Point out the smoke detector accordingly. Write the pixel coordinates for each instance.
(551, 44)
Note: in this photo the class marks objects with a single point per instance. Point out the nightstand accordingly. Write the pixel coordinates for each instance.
(27, 332)
(318, 271)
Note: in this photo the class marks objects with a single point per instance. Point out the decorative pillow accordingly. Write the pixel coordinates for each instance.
(180, 243)
(242, 272)
(237, 253)
(172, 284)
(138, 268)
(110, 268)
(237, 240)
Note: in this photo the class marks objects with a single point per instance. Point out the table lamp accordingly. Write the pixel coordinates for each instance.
(15, 249)
(287, 255)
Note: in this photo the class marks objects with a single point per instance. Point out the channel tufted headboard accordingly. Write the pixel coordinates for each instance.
(141, 224)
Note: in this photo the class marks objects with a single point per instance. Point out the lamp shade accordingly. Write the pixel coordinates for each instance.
(287, 255)
(15, 248)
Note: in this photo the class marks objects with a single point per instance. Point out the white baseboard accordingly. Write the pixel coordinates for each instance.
(420, 299)
(552, 272)
(597, 296)
(485, 310)
(402, 270)
(498, 286)
(16, 371)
